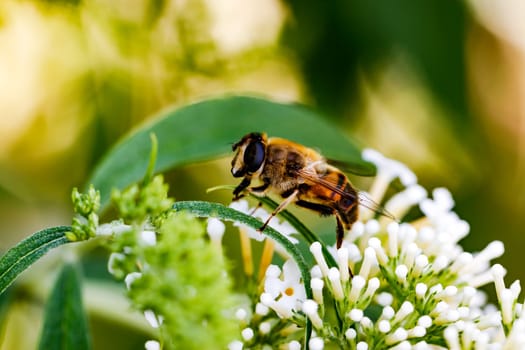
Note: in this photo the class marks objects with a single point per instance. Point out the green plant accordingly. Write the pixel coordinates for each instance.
(414, 286)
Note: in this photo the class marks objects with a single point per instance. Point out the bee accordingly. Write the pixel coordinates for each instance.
(299, 175)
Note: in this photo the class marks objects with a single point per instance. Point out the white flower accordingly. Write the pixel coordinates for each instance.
(113, 262)
(265, 327)
(294, 345)
(152, 345)
(147, 238)
(154, 320)
(317, 285)
(316, 250)
(235, 345)
(247, 334)
(261, 309)
(241, 314)
(387, 170)
(310, 309)
(316, 343)
(215, 229)
(284, 293)
(112, 228)
(131, 277)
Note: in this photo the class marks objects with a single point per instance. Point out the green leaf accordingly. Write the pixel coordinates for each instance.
(65, 323)
(25, 253)
(207, 129)
(207, 209)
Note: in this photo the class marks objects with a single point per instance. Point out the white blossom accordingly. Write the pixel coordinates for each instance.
(147, 238)
(131, 277)
(154, 320)
(294, 345)
(316, 343)
(265, 327)
(310, 308)
(114, 259)
(113, 228)
(152, 345)
(317, 285)
(284, 292)
(315, 249)
(334, 276)
(358, 284)
(241, 314)
(235, 345)
(247, 334)
(215, 229)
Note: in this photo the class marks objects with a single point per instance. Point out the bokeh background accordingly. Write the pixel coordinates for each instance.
(438, 85)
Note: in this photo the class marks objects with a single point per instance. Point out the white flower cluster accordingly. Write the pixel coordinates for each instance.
(414, 287)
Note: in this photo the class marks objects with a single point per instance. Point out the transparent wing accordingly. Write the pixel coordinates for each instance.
(368, 203)
(315, 178)
(362, 197)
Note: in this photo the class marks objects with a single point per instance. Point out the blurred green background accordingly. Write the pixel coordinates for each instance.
(437, 85)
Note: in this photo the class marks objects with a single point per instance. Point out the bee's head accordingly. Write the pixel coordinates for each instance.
(250, 153)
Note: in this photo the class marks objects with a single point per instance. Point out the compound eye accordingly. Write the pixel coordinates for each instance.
(254, 156)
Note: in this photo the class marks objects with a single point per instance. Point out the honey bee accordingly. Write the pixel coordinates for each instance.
(299, 175)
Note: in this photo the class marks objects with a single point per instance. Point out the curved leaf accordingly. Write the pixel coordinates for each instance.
(206, 209)
(65, 323)
(25, 253)
(207, 129)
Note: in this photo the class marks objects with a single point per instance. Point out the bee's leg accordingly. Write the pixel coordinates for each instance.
(259, 204)
(340, 236)
(323, 210)
(281, 207)
(262, 188)
(340, 231)
(241, 187)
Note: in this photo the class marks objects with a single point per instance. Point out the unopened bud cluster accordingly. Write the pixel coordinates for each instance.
(173, 274)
